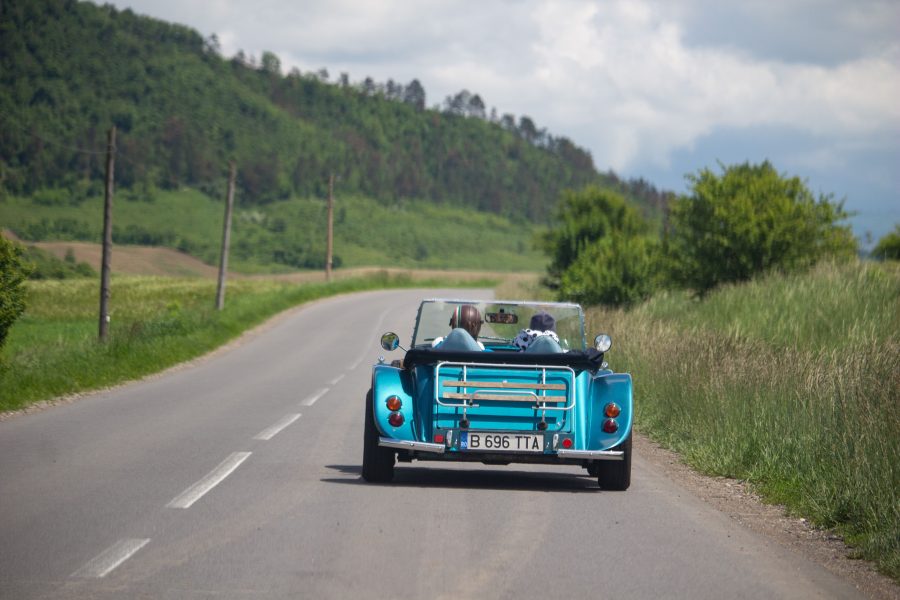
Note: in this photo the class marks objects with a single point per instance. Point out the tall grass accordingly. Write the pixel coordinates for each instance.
(789, 382)
(155, 323)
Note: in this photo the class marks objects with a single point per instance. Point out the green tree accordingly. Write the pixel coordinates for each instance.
(617, 270)
(12, 295)
(888, 247)
(271, 64)
(583, 218)
(746, 221)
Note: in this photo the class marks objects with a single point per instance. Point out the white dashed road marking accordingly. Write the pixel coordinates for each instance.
(111, 558)
(338, 378)
(268, 434)
(312, 399)
(214, 478)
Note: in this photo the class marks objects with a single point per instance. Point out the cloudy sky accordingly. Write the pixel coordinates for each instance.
(653, 88)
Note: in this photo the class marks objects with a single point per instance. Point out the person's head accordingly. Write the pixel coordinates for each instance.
(467, 317)
(542, 321)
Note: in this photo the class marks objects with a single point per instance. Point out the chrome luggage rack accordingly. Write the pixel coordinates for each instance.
(503, 391)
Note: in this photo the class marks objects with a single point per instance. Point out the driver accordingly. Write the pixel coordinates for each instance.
(467, 318)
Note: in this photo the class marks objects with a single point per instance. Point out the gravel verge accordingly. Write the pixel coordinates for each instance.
(738, 500)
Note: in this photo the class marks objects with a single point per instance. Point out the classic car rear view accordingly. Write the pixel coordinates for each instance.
(492, 398)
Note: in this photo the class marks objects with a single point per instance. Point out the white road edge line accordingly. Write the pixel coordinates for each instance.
(268, 434)
(312, 399)
(214, 478)
(337, 379)
(375, 331)
(111, 558)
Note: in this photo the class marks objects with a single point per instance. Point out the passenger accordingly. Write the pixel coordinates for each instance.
(542, 325)
(465, 320)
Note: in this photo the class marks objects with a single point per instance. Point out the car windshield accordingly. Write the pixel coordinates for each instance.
(503, 320)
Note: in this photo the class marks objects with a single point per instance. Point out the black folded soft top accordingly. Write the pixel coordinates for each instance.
(589, 360)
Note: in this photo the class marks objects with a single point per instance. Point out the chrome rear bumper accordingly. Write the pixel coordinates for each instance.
(591, 454)
(405, 445)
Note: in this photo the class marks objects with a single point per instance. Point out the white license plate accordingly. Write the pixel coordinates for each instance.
(501, 442)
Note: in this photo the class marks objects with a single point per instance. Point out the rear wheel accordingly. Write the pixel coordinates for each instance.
(378, 462)
(616, 475)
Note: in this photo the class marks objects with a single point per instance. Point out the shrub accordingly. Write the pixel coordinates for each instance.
(615, 271)
(888, 247)
(593, 226)
(12, 294)
(44, 265)
(747, 221)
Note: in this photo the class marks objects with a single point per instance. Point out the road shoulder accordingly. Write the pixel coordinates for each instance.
(737, 500)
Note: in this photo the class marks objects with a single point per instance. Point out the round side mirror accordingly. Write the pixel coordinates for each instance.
(390, 341)
(602, 342)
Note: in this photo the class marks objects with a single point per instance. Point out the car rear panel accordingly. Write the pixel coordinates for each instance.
(485, 397)
(442, 401)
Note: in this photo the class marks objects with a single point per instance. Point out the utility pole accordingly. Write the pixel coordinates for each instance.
(330, 242)
(226, 237)
(107, 233)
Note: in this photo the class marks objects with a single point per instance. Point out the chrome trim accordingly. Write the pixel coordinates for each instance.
(592, 454)
(406, 445)
(541, 400)
(515, 302)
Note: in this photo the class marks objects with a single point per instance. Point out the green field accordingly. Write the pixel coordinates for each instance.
(287, 235)
(156, 323)
(789, 382)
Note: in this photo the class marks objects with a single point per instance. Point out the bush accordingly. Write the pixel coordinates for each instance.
(747, 221)
(888, 247)
(12, 294)
(51, 197)
(615, 271)
(44, 265)
(586, 220)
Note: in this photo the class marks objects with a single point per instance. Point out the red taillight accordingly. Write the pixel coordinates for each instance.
(395, 419)
(610, 426)
(612, 410)
(394, 403)
(439, 438)
(567, 443)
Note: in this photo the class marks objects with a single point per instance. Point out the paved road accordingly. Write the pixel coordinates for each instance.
(206, 483)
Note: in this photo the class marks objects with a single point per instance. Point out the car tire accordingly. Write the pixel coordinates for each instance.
(378, 462)
(616, 475)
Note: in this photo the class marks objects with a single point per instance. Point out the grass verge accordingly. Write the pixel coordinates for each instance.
(789, 382)
(156, 323)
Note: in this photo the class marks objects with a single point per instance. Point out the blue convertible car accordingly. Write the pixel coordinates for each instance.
(499, 382)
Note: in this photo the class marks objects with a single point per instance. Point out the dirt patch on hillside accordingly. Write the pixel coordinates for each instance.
(134, 260)
(738, 500)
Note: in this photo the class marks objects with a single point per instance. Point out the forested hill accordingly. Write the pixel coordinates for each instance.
(69, 70)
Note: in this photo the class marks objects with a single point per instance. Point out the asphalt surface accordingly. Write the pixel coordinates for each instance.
(205, 483)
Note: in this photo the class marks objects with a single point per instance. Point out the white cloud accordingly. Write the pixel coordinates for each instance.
(638, 92)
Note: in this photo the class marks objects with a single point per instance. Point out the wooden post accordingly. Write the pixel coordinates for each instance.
(330, 241)
(226, 237)
(107, 234)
